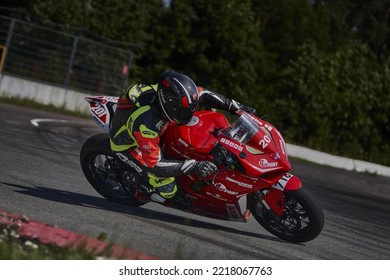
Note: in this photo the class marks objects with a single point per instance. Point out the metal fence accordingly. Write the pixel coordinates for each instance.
(63, 59)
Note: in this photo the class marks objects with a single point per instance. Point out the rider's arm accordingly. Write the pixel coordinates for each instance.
(149, 154)
(218, 101)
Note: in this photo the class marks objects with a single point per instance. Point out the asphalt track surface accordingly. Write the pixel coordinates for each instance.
(40, 177)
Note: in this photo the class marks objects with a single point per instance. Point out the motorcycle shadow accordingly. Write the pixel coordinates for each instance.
(85, 200)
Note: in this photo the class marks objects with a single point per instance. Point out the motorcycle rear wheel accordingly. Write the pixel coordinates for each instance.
(103, 172)
(302, 221)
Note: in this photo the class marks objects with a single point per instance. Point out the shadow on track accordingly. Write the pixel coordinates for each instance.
(83, 200)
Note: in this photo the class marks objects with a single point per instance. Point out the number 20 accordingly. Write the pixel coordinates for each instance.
(264, 142)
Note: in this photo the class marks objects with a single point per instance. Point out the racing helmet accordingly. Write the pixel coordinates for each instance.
(178, 97)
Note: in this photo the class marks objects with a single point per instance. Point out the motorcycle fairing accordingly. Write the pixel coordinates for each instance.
(195, 139)
(258, 146)
(101, 109)
(288, 182)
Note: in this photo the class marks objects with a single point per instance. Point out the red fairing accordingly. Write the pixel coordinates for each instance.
(194, 140)
(259, 161)
(292, 184)
(265, 151)
(258, 146)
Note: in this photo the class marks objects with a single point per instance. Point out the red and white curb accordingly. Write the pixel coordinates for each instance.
(52, 235)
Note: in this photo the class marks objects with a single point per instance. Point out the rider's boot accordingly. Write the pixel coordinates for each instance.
(181, 201)
(178, 201)
(144, 193)
(133, 181)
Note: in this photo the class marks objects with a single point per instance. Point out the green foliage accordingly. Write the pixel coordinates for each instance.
(320, 68)
(126, 21)
(363, 20)
(220, 50)
(289, 24)
(338, 102)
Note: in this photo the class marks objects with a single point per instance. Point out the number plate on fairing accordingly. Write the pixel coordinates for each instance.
(282, 183)
(99, 110)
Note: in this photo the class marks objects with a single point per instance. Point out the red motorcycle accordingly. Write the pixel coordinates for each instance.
(252, 176)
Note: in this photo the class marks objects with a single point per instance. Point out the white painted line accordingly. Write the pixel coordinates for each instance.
(35, 122)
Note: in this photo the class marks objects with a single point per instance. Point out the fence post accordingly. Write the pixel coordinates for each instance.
(5, 52)
(2, 56)
(69, 70)
(7, 43)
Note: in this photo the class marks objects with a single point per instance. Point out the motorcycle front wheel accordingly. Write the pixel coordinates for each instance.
(103, 171)
(302, 220)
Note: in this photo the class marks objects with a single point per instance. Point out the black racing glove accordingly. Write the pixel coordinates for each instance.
(204, 168)
(200, 168)
(235, 106)
(248, 109)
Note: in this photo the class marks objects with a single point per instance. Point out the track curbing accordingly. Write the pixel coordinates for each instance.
(52, 235)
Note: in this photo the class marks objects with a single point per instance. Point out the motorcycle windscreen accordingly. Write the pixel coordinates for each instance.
(257, 138)
(242, 129)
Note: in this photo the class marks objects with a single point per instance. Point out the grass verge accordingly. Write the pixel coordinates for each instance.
(15, 247)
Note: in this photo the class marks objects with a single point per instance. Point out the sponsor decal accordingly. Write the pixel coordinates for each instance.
(222, 188)
(217, 196)
(110, 98)
(267, 126)
(283, 146)
(146, 132)
(232, 144)
(146, 147)
(256, 120)
(263, 163)
(241, 184)
(281, 184)
(129, 162)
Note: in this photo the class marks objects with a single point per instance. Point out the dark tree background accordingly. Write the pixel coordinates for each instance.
(320, 69)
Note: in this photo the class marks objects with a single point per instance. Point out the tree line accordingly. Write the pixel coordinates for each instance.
(319, 69)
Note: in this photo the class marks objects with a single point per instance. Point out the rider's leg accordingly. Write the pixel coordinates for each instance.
(158, 188)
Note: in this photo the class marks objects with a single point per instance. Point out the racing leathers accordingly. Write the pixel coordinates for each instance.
(135, 135)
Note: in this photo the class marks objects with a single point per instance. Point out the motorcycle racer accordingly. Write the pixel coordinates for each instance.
(143, 112)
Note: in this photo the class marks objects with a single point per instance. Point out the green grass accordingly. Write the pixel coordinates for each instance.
(14, 247)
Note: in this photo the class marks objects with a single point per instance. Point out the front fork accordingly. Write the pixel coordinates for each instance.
(273, 198)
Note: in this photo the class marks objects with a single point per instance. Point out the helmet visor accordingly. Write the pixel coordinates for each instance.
(174, 110)
(182, 115)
